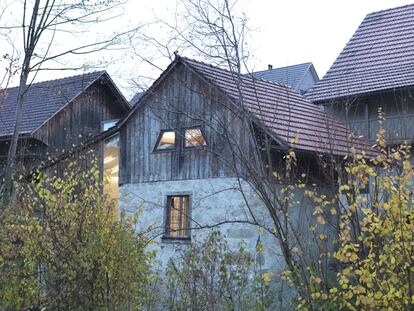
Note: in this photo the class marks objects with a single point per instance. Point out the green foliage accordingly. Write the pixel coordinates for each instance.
(63, 248)
(210, 276)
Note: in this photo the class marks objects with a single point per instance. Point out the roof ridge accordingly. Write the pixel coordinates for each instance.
(99, 72)
(284, 67)
(204, 63)
(282, 112)
(390, 9)
(249, 75)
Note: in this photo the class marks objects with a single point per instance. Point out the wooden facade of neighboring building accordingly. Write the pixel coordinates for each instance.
(59, 115)
(361, 114)
(374, 71)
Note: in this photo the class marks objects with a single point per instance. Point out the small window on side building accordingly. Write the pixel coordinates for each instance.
(166, 141)
(106, 125)
(177, 222)
(194, 138)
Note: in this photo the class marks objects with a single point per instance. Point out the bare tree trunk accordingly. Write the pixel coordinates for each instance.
(12, 153)
(29, 46)
(44, 21)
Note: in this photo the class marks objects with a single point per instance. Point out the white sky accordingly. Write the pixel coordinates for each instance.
(283, 32)
(298, 31)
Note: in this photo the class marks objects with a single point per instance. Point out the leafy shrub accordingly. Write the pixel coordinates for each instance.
(62, 248)
(209, 275)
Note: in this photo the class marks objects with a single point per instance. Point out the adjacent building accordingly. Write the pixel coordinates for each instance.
(374, 70)
(59, 115)
(300, 77)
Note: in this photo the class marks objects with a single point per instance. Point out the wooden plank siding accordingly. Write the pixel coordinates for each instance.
(361, 115)
(78, 121)
(29, 152)
(182, 100)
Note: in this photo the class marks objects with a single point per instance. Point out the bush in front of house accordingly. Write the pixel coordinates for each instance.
(63, 248)
(373, 258)
(209, 275)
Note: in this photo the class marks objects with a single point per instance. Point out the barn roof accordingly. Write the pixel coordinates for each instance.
(284, 113)
(378, 57)
(44, 99)
(289, 75)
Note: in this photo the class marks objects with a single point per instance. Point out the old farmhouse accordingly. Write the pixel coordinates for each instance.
(201, 149)
(374, 70)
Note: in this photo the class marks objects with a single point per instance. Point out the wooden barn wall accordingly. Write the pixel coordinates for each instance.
(29, 153)
(76, 122)
(79, 120)
(84, 158)
(182, 100)
(361, 114)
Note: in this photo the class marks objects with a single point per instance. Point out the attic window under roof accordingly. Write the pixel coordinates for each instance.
(194, 138)
(166, 141)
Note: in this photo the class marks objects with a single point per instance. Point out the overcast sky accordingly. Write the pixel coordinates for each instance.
(283, 32)
(298, 31)
(291, 32)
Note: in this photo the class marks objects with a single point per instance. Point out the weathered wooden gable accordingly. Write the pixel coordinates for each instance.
(183, 99)
(361, 114)
(80, 119)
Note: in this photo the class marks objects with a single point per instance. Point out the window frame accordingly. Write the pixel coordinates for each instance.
(156, 150)
(102, 164)
(166, 237)
(198, 127)
(108, 121)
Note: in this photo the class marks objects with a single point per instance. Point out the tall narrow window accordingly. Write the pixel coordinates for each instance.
(194, 138)
(111, 167)
(177, 225)
(166, 141)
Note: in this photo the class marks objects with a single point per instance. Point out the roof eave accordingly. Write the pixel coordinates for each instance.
(122, 101)
(21, 136)
(334, 99)
(114, 89)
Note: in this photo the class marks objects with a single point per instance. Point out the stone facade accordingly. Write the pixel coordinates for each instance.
(212, 201)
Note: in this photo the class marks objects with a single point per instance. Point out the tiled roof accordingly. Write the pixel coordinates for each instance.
(379, 56)
(289, 75)
(42, 101)
(285, 113)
